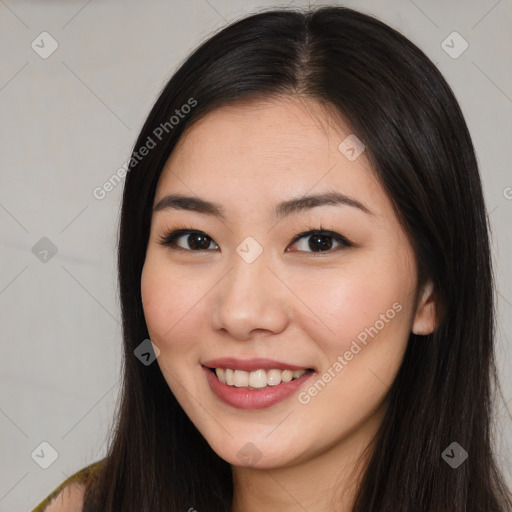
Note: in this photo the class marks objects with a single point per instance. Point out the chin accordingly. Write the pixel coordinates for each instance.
(253, 450)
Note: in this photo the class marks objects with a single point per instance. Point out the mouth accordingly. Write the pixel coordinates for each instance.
(256, 389)
(257, 379)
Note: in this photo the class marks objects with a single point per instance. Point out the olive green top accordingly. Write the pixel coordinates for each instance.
(84, 476)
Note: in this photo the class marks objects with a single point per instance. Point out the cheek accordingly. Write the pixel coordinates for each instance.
(168, 302)
(370, 301)
(368, 311)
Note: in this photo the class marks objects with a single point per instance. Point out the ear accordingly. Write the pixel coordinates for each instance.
(425, 317)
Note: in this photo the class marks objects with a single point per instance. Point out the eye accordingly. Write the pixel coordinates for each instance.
(196, 240)
(320, 240)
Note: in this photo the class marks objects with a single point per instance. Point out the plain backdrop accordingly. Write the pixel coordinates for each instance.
(69, 120)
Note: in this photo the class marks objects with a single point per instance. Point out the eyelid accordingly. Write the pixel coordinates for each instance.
(169, 238)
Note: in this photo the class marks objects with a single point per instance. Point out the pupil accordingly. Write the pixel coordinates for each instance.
(321, 242)
(203, 242)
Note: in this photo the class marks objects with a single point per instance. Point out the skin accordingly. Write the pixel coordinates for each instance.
(291, 304)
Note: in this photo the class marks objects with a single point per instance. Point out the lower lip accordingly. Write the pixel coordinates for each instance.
(254, 398)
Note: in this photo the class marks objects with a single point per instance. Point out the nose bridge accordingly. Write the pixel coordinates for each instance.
(249, 297)
(249, 274)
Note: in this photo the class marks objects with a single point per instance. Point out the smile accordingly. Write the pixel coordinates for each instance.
(257, 379)
(247, 396)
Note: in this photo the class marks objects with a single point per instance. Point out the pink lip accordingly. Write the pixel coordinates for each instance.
(250, 365)
(244, 398)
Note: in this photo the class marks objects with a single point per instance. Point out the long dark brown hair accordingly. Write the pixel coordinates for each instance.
(396, 101)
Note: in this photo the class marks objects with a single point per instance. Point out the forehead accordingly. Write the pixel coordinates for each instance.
(258, 151)
(288, 129)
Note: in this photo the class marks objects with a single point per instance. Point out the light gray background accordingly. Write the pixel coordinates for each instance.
(69, 122)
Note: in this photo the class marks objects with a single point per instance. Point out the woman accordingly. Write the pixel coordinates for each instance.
(304, 240)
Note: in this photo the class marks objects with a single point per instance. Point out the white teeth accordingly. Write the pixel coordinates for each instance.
(241, 379)
(257, 379)
(287, 376)
(221, 374)
(274, 377)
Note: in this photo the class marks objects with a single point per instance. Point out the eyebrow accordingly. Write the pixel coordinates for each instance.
(281, 210)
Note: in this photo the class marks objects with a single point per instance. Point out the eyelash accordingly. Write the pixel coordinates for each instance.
(169, 238)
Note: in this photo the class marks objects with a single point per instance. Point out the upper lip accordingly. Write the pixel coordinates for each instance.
(250, 365)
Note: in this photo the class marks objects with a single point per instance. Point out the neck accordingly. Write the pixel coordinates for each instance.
(325, 482)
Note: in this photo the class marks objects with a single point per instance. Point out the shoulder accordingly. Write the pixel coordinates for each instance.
(69, 499)
(69, 495)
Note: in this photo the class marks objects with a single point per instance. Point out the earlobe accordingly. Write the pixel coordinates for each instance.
(425, 317)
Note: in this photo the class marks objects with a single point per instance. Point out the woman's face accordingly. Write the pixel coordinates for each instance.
(245, 290)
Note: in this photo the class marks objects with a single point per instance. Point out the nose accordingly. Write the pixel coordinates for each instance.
(250, 301)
